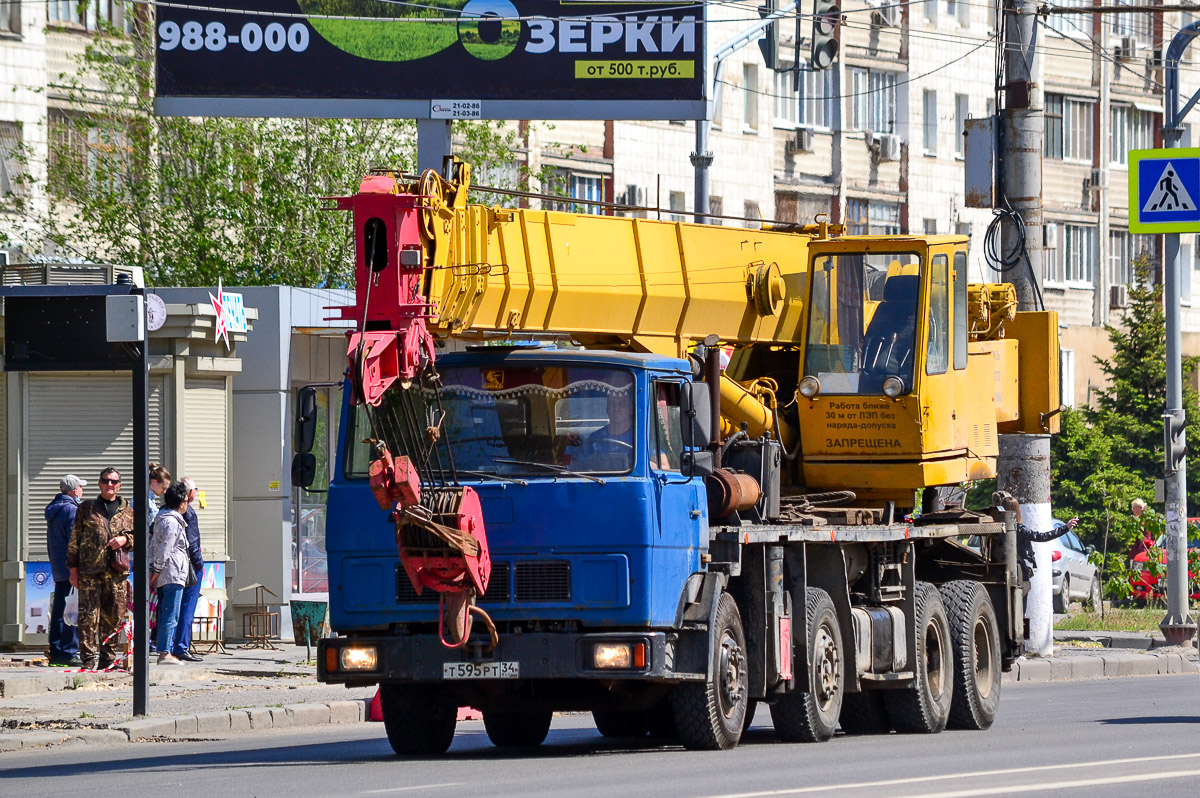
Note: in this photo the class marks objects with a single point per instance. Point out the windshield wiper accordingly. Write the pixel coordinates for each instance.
(490, 475)
(548, 466)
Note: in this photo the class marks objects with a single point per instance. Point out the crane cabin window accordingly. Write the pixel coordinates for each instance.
(937, 352)
(862, 321)
(508, 421)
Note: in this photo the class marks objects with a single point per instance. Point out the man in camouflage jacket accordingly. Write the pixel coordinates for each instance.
(103, 523)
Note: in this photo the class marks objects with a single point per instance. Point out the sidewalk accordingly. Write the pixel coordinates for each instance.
(251, 690)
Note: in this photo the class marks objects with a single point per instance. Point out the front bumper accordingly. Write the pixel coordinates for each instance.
(541, 656)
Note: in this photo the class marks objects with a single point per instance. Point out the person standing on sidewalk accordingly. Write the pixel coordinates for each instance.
(103, 527)
(60, 518)
(169, 566)
(159, 481)
(191, 593)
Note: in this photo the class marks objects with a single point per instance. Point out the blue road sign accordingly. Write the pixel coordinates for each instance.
(1164, 191)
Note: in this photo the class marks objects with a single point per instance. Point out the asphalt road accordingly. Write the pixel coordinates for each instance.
(1119, 737)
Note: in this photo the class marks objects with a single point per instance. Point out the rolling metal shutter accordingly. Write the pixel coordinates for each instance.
(206, 449)
(78, 424)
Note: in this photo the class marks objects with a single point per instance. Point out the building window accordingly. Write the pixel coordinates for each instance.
(931, 10)
(1123, 249)
(752, 214)
(1068, 133)
(750, 96)
(677, 201)
(816, 99)
(11, 167)
(884, 218)
(10, 17)
(91, 15)
(1077, 254)
(962, 109)
(1077, 26)
(873, 100)
(959, 11)
(587, 187)
(930, 227)
(856, 217)
(1131, 130)
(1133, 25)
(716, 206)
(929, 106)
(962, 229)
(786, 100)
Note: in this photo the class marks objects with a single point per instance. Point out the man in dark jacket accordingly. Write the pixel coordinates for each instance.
(191, 593)
(60, 517)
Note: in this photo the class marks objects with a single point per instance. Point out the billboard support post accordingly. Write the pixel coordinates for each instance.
(433, 143)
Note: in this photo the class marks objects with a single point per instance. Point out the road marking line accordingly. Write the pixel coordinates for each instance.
(948, 776)
(1061, 785)
(409, 789)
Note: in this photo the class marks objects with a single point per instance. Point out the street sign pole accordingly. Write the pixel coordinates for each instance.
(1178, 626)
(141, 532)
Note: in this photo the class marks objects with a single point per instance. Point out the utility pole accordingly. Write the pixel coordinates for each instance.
(1178, 626)
(1023, 466)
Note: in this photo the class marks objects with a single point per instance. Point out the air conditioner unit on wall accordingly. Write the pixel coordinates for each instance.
(887, 147)
(1118, 296)
(800, 141)
(634, 195)
(1097, 180)
(1127, 47)
(886, 15)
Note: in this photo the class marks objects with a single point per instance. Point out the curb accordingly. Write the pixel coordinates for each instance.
(291, 716)
(1099, 666)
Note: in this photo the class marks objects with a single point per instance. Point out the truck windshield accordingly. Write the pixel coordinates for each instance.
(526, 421)
(862, 321)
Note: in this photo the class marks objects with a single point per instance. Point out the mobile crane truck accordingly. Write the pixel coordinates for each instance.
(627, 525)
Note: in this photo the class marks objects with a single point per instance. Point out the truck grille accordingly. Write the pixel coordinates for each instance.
(543, 581)
(498, 587)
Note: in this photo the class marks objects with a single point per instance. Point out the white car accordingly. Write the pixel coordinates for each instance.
(1075, 577)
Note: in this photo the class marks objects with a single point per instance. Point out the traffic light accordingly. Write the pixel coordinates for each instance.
(827, 15)
(769, 43)
(1174, 441)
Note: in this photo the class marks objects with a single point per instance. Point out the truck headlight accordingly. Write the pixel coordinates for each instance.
(810, 386)
(359, 658)
(893, 387)
(619, 655)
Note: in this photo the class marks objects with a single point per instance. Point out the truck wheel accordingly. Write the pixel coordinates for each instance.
(864, 713)
(975, 637)
(517, 729)
(811, 715)
(416, 721)
(925, 707)
(618, 723)
(709, 715)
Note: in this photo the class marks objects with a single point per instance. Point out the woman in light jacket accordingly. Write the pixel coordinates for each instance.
(169, 566)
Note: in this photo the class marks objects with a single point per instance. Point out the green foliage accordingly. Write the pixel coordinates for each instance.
(1110, 453)
(196, 199)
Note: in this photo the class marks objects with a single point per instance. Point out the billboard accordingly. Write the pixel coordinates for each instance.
(440, 59)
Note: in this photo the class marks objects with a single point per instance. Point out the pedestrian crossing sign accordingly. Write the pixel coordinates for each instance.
(1164, 191)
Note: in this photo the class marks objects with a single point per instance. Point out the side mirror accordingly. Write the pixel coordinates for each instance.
(695, 415)
(698, 463)
(306, 420)
(304, 469)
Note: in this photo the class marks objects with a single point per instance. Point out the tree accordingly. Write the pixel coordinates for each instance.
(1110, 453)
(196, 199)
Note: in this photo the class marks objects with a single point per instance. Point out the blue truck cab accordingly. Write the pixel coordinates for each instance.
(595, 531)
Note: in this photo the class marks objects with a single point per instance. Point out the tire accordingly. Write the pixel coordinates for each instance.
(517, 729)
(709, 715)
(1095, 597)
(975, 640)
(1062, 599)
(924, 708)
(811, 715)
(864, 713)
(619, 723)
(417, 722)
